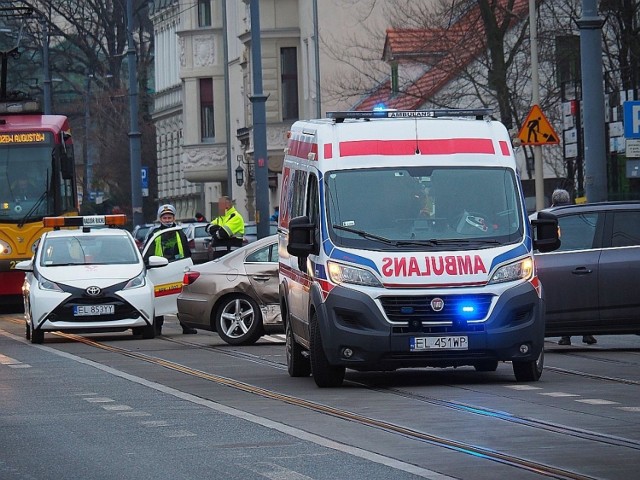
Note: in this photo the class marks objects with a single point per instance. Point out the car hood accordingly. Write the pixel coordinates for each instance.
(95, 274)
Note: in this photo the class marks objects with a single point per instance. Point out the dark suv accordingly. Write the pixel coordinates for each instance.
(591, 282)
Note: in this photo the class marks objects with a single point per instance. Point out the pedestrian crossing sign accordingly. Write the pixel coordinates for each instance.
(536, 129)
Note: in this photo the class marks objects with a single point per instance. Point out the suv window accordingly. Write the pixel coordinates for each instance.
(626, 229)
(577, 232)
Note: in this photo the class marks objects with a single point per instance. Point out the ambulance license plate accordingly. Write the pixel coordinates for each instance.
(419, 344)
(89, 310)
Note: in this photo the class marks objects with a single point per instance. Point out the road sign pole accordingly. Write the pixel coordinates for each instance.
(535, 100)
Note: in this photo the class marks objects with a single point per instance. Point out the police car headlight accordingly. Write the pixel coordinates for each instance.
(339, 274)
(520, 270)
(5, 248)
(45, 284)
(136, 282)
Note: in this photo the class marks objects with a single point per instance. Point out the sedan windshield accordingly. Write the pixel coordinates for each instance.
(441, 208)
(88, 250)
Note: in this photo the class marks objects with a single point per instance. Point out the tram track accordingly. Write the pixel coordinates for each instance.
(524, 464)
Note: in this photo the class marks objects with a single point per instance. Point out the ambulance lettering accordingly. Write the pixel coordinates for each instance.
(433, 266)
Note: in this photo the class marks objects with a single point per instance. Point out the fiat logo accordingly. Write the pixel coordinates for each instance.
(437, 304)
(93, 291)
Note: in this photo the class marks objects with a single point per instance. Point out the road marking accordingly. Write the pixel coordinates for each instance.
(12, 362)
(559, 394)
(597, 401)
(629, 409)
(178, 433)
(117, 408)
(154, 423)
(523, 387)
(134, 413)
(98, 400)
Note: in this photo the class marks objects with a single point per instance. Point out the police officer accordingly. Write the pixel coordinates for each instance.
(227, 230)
(172, 247)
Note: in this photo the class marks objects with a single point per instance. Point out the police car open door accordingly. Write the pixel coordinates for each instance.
(167, 280)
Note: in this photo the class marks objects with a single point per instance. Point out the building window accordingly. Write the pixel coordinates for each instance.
(204, 13)
(394, 78)
(289, 82)
(207, 127)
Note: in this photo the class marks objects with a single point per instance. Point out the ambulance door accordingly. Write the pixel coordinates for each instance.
(167, 280)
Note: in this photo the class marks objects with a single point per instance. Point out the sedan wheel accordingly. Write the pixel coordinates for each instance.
(239, 321)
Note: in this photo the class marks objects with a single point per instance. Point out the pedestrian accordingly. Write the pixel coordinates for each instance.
(276, 214)
(171, 247)
(200, 218)
(226, 230)
(562, 197)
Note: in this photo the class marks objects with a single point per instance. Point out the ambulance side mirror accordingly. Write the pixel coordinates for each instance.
(545, 227)
(301, 237)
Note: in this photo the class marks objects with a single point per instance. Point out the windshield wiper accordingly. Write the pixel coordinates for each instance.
(433, 242)
(364, 234)
(33, 209)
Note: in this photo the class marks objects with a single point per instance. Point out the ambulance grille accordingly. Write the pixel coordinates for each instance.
(456, 308)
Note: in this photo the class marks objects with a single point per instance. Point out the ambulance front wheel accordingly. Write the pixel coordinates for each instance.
(324, 374)
(530, 371)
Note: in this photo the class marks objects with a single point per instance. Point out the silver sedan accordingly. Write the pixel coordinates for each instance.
(235, 295)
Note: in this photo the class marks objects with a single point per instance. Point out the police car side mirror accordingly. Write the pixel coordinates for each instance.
(545, 227)
(155, 262)
(301, 236)
(25, 266)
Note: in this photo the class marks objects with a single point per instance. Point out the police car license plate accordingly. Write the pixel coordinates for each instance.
(418, 344)
(87, 310)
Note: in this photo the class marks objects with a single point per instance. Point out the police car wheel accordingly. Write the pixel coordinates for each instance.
(239, 320)
(530, 371)
(37, 336)
(324, 374)
(297, 364)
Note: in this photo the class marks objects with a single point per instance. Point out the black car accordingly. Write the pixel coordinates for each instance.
(591, 282)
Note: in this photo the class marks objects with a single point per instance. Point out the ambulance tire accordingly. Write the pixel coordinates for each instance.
(530, 371)
(27, 332)
(298, 365)
(324, 374)
(37, 336)
(486, 366)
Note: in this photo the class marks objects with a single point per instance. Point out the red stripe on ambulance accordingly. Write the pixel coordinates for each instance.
(433, 266)
(445, 146)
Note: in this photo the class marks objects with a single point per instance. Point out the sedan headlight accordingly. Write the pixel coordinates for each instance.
(136, 282)
(520, 270)
(339, 273)
(45, 284)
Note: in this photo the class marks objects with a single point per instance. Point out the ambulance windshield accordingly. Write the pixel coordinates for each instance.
(443, 208)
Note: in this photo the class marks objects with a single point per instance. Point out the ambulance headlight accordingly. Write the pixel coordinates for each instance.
(136, 282)
(520, 270)
(339, 273)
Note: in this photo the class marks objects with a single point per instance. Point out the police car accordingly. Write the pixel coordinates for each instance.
(94, 279)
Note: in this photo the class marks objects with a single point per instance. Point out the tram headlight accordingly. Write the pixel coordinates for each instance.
(5, 248)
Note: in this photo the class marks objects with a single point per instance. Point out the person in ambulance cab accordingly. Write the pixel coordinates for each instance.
(172, 246)
(226, 230)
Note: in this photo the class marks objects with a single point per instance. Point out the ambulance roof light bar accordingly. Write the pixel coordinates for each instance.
(86, 222)
(479, 113)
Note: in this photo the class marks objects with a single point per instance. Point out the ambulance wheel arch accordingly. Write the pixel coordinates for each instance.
(167, 280)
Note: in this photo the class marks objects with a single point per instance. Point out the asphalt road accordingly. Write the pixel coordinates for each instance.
(106, 406)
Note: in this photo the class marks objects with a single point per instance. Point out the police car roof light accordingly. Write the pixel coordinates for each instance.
(86, 221)
(478, 113)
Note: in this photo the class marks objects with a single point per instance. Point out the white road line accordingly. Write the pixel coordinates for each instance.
(523, 387)
(98, 399)
(629, 409)
(117, 408)
(558, 394)
(597, 401)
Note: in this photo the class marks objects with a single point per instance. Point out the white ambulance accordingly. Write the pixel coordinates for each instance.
(405, 242)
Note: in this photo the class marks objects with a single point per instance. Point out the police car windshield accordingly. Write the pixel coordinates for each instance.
(444, 208)
(86, 249)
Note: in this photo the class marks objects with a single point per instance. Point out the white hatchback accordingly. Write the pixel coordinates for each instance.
(95, 279)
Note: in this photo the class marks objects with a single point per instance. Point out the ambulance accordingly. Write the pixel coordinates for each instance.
(404, 242)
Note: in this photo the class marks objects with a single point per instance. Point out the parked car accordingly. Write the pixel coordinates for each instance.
(251, 231)
(590, 281)
(95, 279)
(140, 233)
(199, 240)
(235, 295)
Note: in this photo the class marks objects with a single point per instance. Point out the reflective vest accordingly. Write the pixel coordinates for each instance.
(232, 222)
(160, 247)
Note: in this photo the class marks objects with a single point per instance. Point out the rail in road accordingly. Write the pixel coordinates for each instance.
(590, 440)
